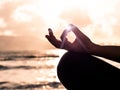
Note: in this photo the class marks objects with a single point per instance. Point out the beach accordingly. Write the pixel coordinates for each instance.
(29, 71)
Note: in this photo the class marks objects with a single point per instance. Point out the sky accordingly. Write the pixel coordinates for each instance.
(24, 23)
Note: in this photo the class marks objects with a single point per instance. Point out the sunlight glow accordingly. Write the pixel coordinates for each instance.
(2, 23)
(102, 14)
(7, 33)
(68, 28)
(100, 17)
(59, 52)
(50, 10)
(21, 15)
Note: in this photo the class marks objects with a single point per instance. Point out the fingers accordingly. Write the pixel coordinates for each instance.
(50, 32)
(52, 39)
(64, 44)
(66, 31)
(63, 35)
(78, 33)
(48, 37)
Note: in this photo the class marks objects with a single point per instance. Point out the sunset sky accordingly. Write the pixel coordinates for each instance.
(24, 23)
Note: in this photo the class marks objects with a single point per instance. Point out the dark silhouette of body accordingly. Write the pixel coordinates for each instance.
(82, 72)
(79, 69)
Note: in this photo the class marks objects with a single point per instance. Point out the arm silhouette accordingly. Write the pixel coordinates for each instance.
(83, 44)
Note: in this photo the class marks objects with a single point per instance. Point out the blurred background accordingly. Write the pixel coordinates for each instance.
(27, 59)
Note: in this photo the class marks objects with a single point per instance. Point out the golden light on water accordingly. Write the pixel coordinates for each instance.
(58, 52)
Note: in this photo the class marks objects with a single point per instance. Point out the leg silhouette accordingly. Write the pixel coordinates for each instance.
(83, 71)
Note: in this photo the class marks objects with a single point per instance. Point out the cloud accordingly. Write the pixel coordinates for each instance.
(20, 26)
(20, 18)
(30, 19)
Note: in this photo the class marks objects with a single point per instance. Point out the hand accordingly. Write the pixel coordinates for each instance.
(57, 43)
(81, 44)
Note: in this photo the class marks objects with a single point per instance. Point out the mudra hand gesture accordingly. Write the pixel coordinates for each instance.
(81, 44)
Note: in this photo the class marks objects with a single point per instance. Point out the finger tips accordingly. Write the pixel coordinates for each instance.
(46, 36)
(50, 31)
(49, 38)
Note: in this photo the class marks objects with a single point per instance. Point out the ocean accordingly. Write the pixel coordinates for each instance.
(29, 70)
(32, 70)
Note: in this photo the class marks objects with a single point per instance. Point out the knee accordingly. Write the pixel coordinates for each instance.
(75, 60)
(73, 68)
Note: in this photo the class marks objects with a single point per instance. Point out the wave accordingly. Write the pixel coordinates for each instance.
(2, 67)
(8, 85)
(9, 56)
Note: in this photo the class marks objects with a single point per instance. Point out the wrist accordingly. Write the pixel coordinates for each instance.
(93, 48)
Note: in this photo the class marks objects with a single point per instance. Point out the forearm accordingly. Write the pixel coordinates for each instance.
(109, 52)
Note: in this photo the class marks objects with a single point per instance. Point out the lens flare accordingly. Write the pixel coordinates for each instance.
(68, 28)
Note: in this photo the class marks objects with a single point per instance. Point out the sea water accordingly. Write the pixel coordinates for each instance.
(32, 70)
(29, 70)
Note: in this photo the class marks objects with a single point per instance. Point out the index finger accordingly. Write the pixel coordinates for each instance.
(77, 32)
(64, 34)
